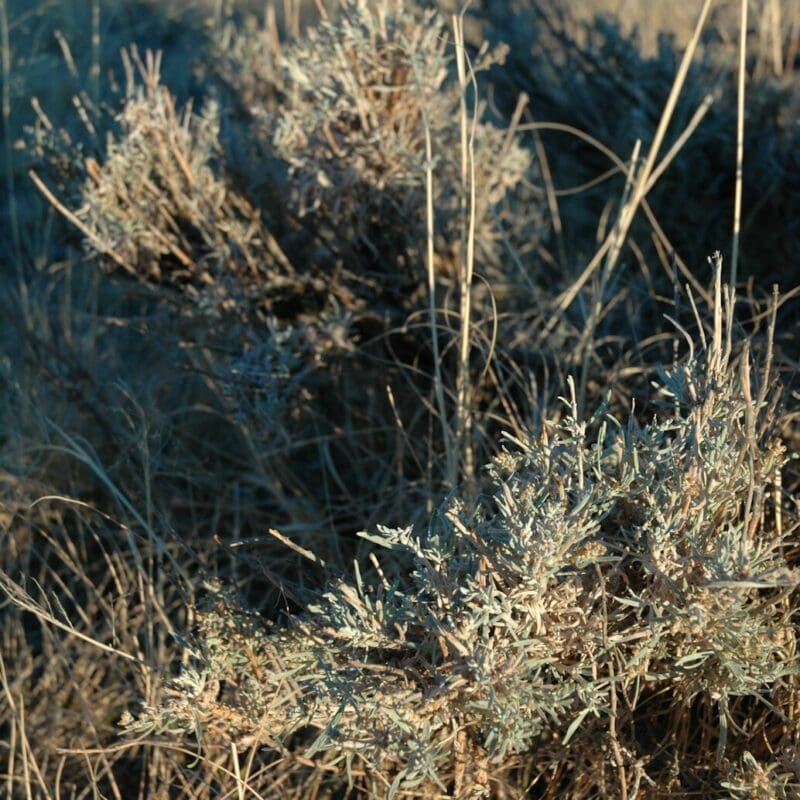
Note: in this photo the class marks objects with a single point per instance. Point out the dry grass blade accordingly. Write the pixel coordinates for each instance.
(463, 411)
(737, 197)
(643, 183)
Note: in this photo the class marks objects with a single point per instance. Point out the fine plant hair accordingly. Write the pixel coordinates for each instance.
(621, 577)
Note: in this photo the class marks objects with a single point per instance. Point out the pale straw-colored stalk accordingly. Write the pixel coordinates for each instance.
(737, 198)
(617, 236)
(466, 256)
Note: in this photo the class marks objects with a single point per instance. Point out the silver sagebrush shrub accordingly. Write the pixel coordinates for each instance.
(614, 565)
(358, 93)
(158, 208)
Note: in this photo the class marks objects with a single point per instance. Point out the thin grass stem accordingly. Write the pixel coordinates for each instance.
(740, 96)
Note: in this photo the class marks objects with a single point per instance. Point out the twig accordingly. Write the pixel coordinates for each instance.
(297, 548)
(84, 229)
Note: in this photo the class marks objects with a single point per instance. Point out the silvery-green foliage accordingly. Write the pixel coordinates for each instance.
(612, 561)
(160, 209)
(358, 92)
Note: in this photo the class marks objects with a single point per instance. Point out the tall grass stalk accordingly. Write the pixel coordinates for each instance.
(740, 92)
(775, 35)
(567, 297)
(451, 459)
(643, 182)
(466, 252)
(5, 44)
(28, 753)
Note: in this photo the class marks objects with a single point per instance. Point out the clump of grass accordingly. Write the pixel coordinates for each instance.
(72, 592)
(566, 56)
(621, 578)
(160, 205)
(612, 617)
